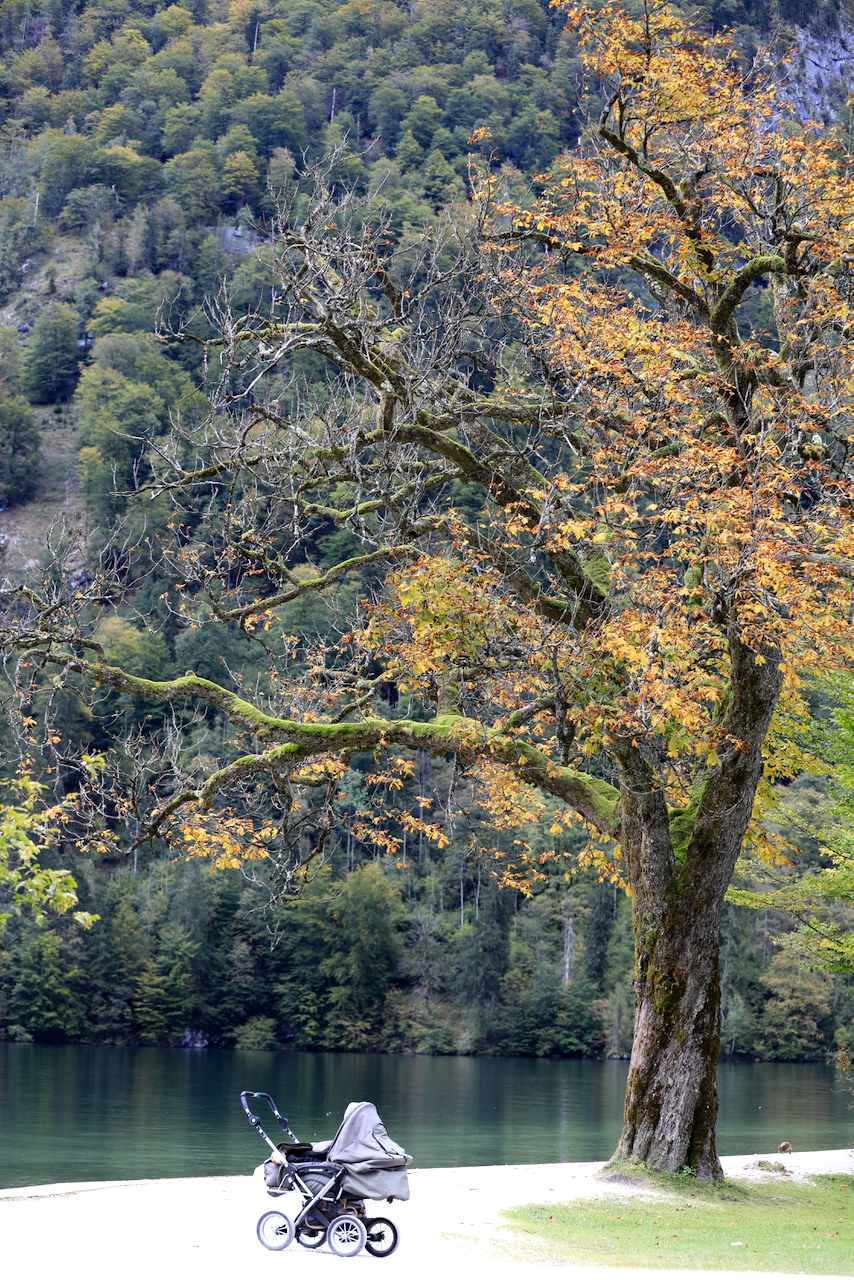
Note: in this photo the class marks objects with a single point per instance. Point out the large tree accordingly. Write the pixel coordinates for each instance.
(602, 529)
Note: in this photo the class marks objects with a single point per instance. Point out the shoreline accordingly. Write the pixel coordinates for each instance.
(801, 1164)
(197, 1044)
(205, 1226)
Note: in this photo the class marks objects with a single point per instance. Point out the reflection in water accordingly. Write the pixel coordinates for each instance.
(77, 1113)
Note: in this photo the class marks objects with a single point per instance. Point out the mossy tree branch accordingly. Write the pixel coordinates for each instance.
(294, 742)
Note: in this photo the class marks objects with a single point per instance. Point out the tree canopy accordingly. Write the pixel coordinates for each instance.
(591, 457)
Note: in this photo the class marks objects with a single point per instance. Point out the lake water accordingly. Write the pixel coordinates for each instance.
(78, 1113)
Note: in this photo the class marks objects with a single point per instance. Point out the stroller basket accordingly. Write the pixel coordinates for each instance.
(280, 1178)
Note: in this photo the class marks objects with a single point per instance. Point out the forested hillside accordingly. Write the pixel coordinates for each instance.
(143, 147)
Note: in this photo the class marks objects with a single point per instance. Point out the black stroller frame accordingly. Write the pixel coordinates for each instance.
(325, 1217)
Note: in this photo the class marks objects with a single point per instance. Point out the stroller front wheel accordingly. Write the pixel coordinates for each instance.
(346, 1236)
(275, 1230)
(382, 1238)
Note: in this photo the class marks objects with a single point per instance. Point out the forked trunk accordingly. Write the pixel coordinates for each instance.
(680, 865)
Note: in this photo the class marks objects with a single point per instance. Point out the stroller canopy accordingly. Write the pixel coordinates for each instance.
(376, 1166)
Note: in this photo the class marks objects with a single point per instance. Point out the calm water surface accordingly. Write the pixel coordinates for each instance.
(77, 1113)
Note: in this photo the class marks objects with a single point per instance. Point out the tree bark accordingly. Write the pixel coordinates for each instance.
(680, 865)
(672, 1095)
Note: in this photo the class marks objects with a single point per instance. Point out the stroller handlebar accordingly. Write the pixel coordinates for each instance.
(256, 1123)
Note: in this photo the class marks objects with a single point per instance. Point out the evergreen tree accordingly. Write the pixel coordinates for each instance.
(409, 153)
(20, 450)
(165, 999)
(598, 933)
(485, 947)
(44, 997)
(50, 363)
(116, 978)
(361, 930)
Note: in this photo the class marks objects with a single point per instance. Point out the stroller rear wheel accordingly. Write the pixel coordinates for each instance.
(275, 1230)
(382, 1237)
(310, 1237)
(346, 1236)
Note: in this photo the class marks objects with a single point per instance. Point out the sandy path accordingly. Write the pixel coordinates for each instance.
(205, 1227)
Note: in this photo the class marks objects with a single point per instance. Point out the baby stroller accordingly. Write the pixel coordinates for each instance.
(332, 1180)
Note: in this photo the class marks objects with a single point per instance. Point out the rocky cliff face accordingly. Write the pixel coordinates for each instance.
(822, 72)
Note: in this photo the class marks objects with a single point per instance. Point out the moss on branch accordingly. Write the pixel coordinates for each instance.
(289, 742)
(721, 316)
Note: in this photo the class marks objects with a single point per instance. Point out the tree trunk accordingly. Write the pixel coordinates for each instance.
(680, 864)
(672, 1092)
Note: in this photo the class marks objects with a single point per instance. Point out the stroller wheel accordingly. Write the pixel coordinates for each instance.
(382, 1238)
(310, 1238)
(346, 1236)
(275, 1230)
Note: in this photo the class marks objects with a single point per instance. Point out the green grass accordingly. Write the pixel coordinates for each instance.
(781, 1226)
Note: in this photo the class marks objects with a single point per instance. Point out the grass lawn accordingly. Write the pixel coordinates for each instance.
(775, 1225)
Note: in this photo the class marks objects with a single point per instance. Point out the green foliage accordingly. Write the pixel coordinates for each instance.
(142, 652)
(129, 176)
(26, 836)
(44, 999)
(65, 164)
(441, 185)
(599, 928)
(388, 107)
(192, 180)
(165, 998)
(376, 959)
(239, 179)
(551, 1020)
(796, 1018)
(124, 949)
(818, 892)
(118, 415)
(50, 364)
(11, 360)
(120, 118)
(20, 450)
(180, 128)
(272, 122)
(257, 1033)
(409, 152)
(124, 399)
(209, 651)
(363, 948)
(422, 120)
(133, 307)
(21, 232)
(485, 948)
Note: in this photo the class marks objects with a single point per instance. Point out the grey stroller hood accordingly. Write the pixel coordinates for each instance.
(375, 1165)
